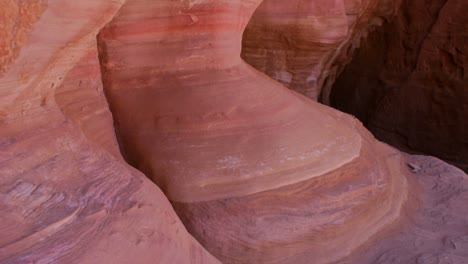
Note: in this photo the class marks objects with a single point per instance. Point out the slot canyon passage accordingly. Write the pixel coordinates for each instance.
(163, 131)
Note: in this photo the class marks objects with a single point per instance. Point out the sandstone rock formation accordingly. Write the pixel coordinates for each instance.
(416, 94)
(305, 44)
(256, 172)
(66, 195)
(238, 154)
(290, 40)
(432, 226)
(217, 131)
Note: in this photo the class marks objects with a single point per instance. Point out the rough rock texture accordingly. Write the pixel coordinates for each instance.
(433, 224)
(16, 20)
(66, 195)
(303, 44)
(238, 154)
(81, 98)
(415, 93)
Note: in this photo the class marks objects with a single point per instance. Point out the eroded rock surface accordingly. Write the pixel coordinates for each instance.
(257, 172)
(433, 225)
(66, 195)
(304, 44)
(16, 19)
(235, 130)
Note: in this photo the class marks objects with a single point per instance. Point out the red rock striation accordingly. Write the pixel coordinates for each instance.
(415, 95)
(66, 195)
(304, 44)
(290, 40)
(258, 173)
(252, 146)
(432, 225)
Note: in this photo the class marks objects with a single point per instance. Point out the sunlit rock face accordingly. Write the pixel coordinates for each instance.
(257, 172)
(414, 94)
(304, 44)
(66, 195)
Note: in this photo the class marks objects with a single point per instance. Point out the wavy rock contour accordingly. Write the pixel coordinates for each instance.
(66, 195)
(257, 173)
(254, 170)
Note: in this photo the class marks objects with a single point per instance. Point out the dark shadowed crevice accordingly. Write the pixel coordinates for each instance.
(407, 82)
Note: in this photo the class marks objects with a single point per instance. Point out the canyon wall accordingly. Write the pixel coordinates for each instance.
(66, 194)
(133, 132)
(414, 95)
(305, 44)
(257, 172)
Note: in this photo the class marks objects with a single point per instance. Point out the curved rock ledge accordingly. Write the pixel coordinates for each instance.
(238, 154)
(233, 131)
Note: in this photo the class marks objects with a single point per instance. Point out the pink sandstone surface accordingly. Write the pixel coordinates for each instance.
(305, 44)
(244, 170)
(66, 195)
(416, 95)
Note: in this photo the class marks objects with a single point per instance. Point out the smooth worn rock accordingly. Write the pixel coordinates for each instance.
(66, 194)
(432, 225)
(304, 44)
(291, 40)
(233, 131)
(254, 170)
